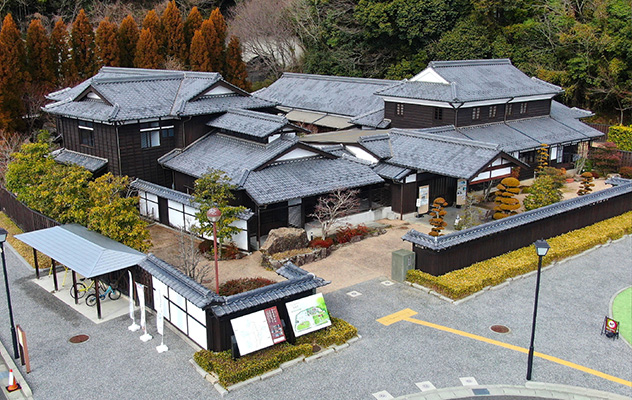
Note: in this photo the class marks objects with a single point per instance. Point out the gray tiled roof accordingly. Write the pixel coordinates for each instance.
(389, 171)
(451, 239)
(307, 177)
(171, 194)
(299, 281)
(473, 80)
(225, 153)
(560, 110)
(91, 163)
(197, 294)
(328, 94)
(378, 144)
(130, 94)
(372, 119)
(251, 123)
(440, 155)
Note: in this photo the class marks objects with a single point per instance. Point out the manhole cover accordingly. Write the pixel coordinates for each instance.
(499, 328)
(79, 339)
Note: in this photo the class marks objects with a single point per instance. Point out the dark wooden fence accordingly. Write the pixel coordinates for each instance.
(27, 219)
(603, 128)
(626, 158)
(438, 256)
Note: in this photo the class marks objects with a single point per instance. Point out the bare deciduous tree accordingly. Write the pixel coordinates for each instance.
(9, 144)
(191, 260)
(334, 206)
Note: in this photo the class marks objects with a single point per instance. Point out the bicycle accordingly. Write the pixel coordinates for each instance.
(109, 291)
(81, 289)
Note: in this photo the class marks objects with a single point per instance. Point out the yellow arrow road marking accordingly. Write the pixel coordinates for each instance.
(406, 315)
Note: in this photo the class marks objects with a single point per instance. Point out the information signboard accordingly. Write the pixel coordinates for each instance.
(308, 314)
(258, 330)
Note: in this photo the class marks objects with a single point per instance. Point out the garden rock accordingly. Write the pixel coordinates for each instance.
(285, 239)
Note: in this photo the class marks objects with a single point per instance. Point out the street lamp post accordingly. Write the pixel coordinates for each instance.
(214, 214)
(3, 238)
(541, 248)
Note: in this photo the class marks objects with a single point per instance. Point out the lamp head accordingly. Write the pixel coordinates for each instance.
(541, 247)
(3, 235)
(213, 214)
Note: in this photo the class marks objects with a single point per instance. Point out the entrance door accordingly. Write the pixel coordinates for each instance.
(295, 213)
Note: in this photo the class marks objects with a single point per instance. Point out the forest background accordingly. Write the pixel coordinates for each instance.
(585, 46)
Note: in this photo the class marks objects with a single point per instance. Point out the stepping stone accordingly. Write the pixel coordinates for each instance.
(383, 395)
(425, 386)
(354, 293)
(468, 381)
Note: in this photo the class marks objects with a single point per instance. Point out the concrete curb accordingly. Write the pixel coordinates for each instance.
(25, 388)
(610, 311)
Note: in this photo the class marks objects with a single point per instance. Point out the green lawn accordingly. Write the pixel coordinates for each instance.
(622, 312)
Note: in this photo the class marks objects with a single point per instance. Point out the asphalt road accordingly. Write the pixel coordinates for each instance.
(574, 298)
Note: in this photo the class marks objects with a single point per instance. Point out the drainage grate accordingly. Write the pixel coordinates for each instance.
(79, 339)
(499, 328)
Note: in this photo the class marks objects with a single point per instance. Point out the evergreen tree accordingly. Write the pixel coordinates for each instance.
(542, 158)
(586, 184)
(152, 22)
(147, 55)
(236, 67)
(173, 30)
(507, 203)
(198, 54)
(437, 213)
(82, 40)
(38, 55)
(13, 77)
(191, 24)
(127, 41)
(106, 41)
(63, 67)
(217, 47)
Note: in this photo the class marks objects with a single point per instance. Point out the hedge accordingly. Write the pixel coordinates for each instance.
(622, 136)
(230, 372)
(466, 281)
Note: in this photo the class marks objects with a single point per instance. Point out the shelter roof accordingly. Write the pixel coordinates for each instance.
(84, 251)
(91, 163)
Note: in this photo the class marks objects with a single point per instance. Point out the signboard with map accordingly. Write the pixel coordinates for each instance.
(258, 330)
(308, 314)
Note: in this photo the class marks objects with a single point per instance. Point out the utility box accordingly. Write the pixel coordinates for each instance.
(402, 262)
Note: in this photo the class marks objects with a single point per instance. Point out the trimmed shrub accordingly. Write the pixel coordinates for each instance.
(338, 333)
(321, 243)
(507, 204)
(542, 193)
(437, 213)
(621, 136)
(586, 185)
(241, 285)
(558, 176)
(345, 233)
(463, 282)
(626, 172)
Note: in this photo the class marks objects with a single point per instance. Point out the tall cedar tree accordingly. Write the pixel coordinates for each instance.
(82, 39)
(152, 22)
(147, 55)
(107, 46)
(38, 56)
(13, 77)
(127, 41)
(63, 67)
(191, 24)
(218, 48)
(236, 67)
(173, 31)
(198, 54)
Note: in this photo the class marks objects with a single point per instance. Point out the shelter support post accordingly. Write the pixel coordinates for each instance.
(74, 285)
(53, 268)
(36, 263)
(96, 289)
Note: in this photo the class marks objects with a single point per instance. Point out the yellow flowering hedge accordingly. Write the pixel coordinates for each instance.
(466, 281)
(230, 372)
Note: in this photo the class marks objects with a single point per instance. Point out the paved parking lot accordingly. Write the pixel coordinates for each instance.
(575, 296)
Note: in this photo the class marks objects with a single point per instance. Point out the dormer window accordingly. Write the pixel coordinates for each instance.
(492, 111)
(86, 133)
(438, 113)
(523, 108)
(476, 113)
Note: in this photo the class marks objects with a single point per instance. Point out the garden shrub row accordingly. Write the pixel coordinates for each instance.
(466, 281)
(230, 372)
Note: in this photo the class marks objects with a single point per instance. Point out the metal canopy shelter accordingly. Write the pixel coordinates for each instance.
(83, 251)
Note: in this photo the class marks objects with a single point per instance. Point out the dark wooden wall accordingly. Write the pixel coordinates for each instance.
(408, 204)
(24, 217)
(105, 145)
(465, 254)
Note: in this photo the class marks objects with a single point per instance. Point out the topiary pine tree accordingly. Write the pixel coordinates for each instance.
(13, 77)
(235, 66)
(173, 31)
(106, 41)
(438, 213)
(147, 55)
(542, 158)
(586, 184)
(507, 203)
(82, 41)
(127, 41)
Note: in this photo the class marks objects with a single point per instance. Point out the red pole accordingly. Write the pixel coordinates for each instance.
(215, 254)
